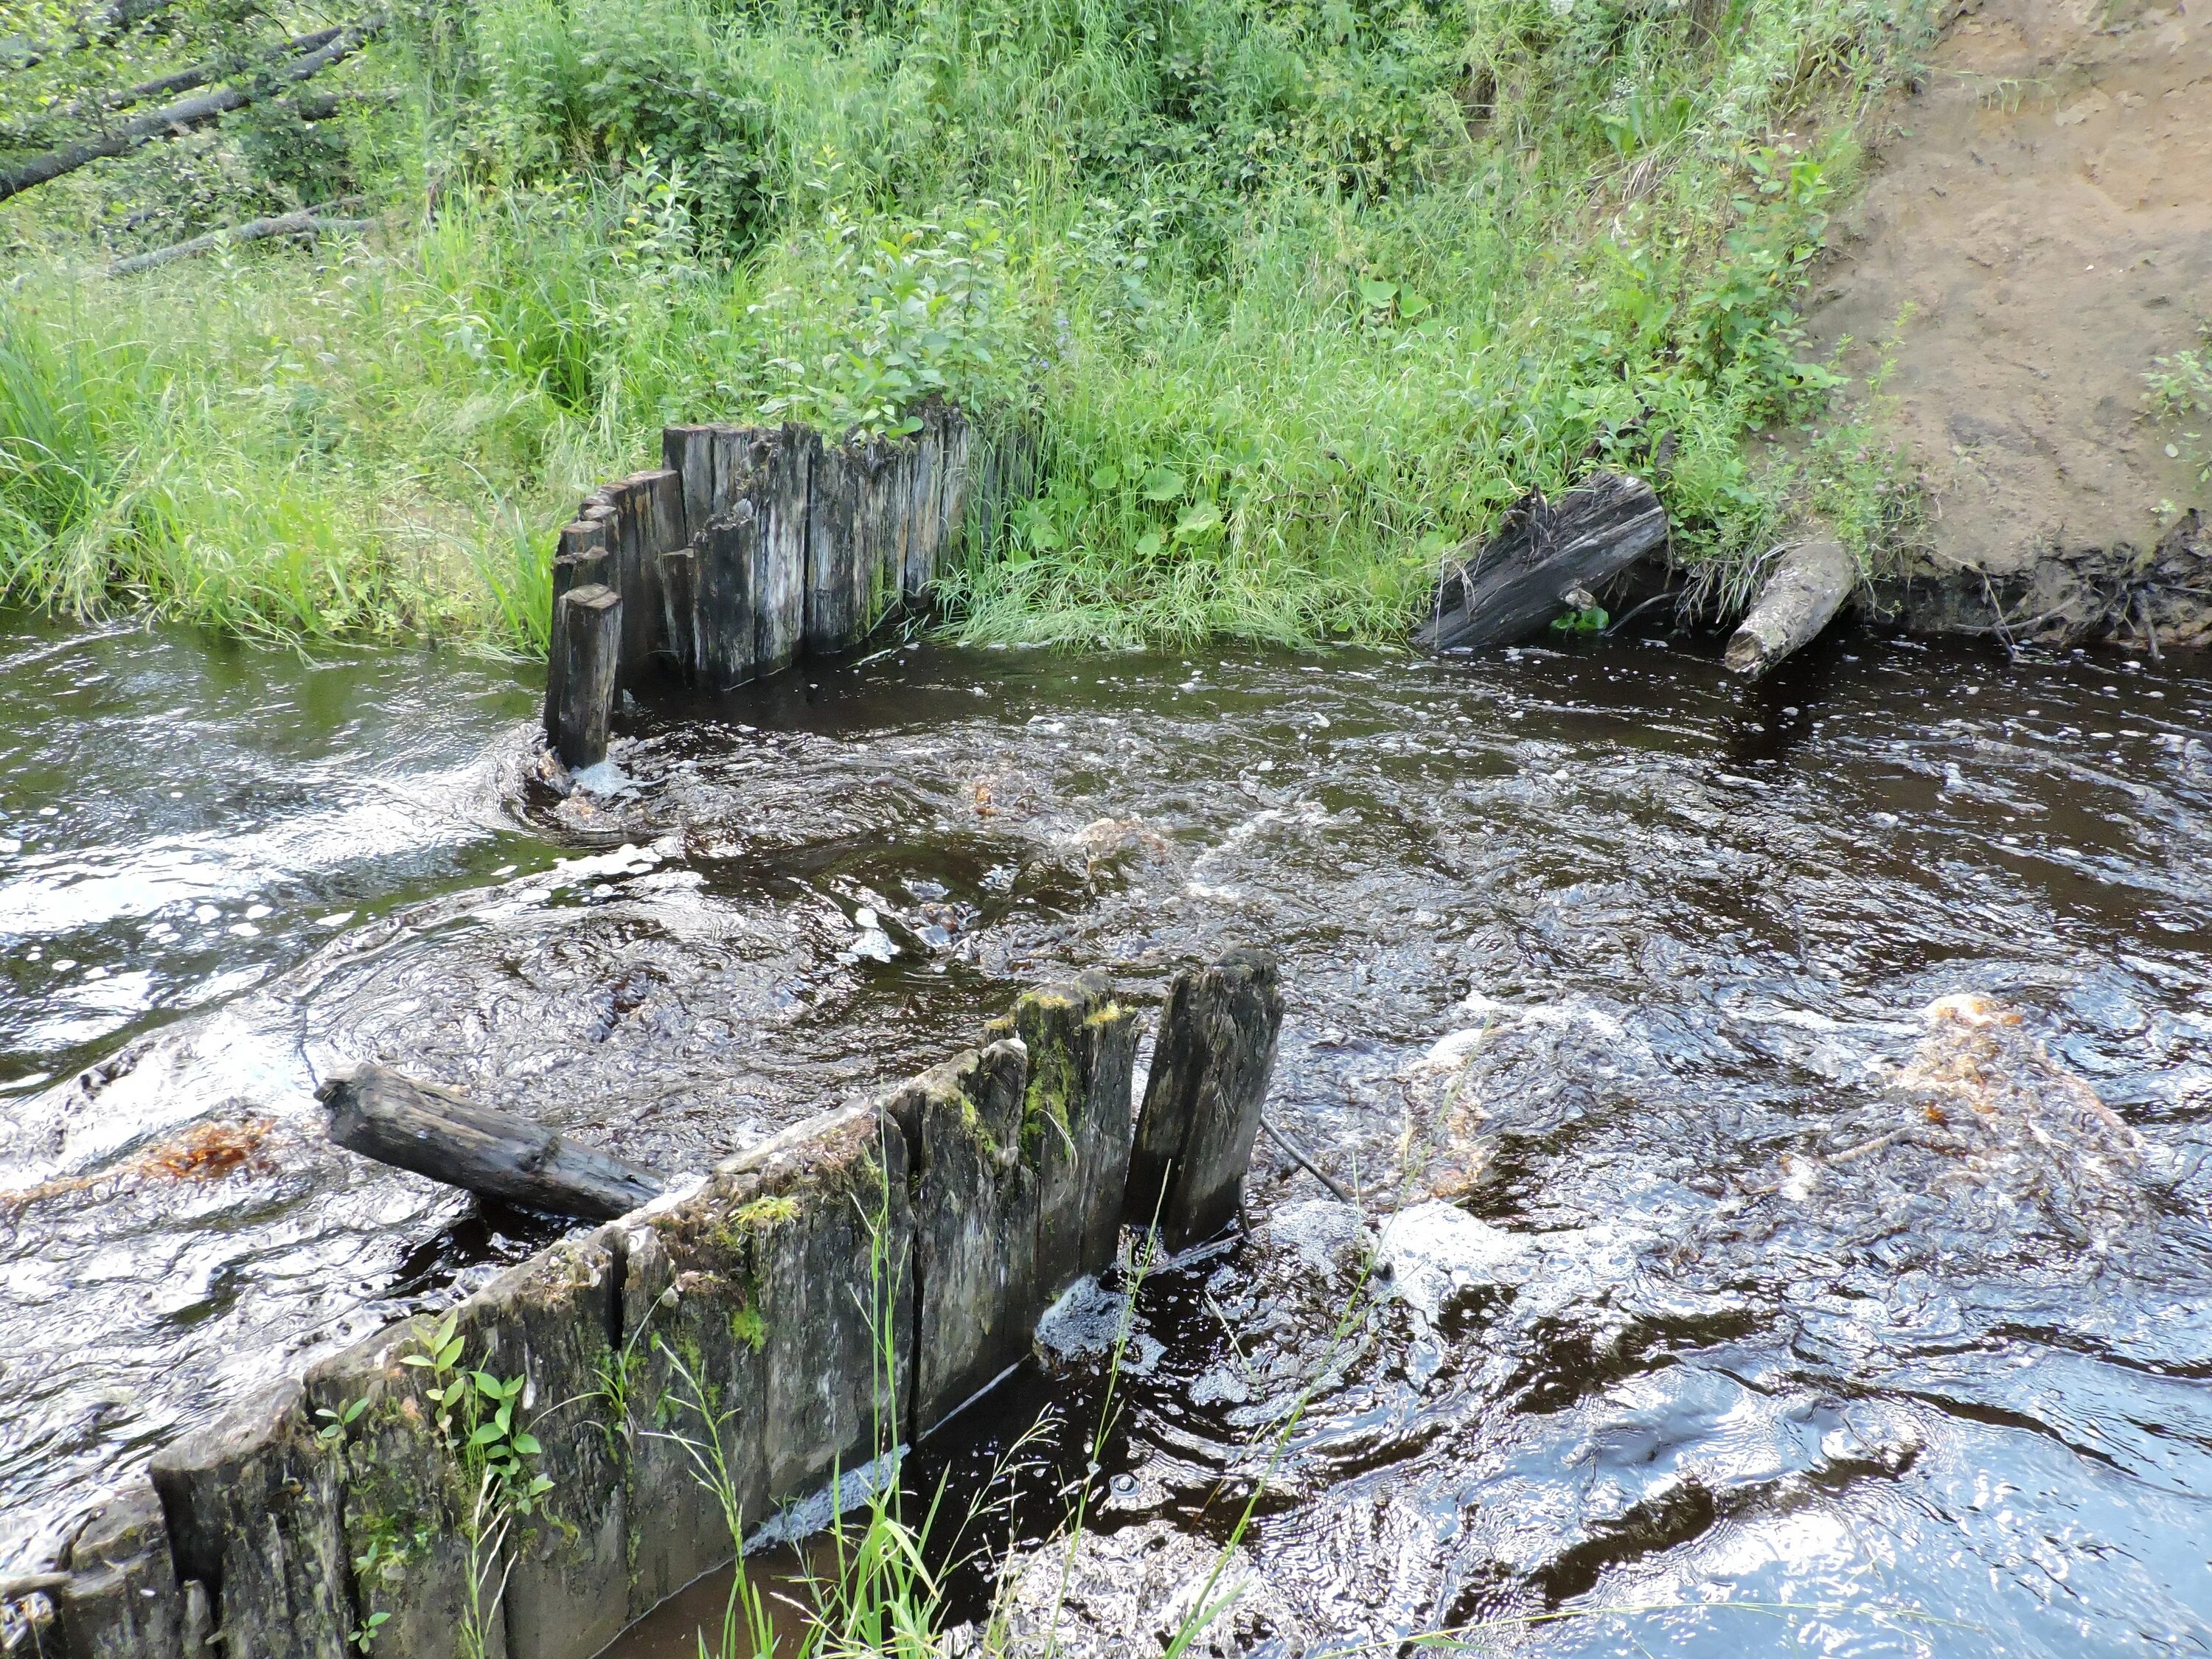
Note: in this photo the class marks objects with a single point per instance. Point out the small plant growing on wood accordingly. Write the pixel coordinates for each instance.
(477, 1416)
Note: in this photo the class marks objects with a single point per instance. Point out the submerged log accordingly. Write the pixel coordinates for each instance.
(1544, 550)
(436, 1133)
(1799, 599)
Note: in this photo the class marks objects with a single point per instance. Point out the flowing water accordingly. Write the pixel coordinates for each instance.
(1756, 1285)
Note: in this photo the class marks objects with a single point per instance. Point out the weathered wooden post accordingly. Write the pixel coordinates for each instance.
(680, 600)
(253, 1503)
(689, 452)
(581, 560)
(120, 1598)
(587, 640)
(1209, 1079)
(725, 560)
(832, 506)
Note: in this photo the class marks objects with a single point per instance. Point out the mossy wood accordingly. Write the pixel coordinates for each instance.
(121, 1598)
(1211, 1066)
(253, 1504)
(804, 1307)
(1544, 550)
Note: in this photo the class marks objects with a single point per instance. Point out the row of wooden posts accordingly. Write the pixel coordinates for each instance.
(751, 547)
(838, 1290)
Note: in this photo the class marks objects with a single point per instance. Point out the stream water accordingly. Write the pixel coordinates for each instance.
(1759, 1288)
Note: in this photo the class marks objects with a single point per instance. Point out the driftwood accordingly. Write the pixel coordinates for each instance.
(436, 1133)
(1544, 550)
(1797, 601)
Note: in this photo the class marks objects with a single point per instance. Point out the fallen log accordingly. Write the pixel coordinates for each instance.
(1544, 551)
(1798, 599)
(307, 222)
(186, 113)
(436, 1133)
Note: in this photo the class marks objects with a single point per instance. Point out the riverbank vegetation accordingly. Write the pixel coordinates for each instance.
(1297, 295)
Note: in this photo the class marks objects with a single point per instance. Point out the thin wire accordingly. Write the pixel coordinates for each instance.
(1303, 1162)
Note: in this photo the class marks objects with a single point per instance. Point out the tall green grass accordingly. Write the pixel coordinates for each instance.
(1297, 296)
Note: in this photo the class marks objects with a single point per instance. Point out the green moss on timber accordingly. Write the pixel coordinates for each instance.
(746, 1326)
(1050, 1094)
(1106, 1013)
(764, 1213)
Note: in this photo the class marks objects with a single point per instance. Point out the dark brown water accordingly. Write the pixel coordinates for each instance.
(1675, 937)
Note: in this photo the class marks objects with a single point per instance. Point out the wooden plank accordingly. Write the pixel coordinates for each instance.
(832, 504)
(588, 632)
(790, 459)
(446, 1137)
(724, 558)
(1543, 551)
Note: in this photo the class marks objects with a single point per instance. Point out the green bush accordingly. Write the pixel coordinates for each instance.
(1294, 295)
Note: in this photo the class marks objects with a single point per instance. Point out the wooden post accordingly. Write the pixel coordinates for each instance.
(679, 598)
(446, 1136)
(659, 498)
(877, 497)
(924, 513)
(832, 507)
(1209, 1079)
(587, 633)
(689, 452)
(724, 558)
(581, 559)
(953, 490)
(786, 491)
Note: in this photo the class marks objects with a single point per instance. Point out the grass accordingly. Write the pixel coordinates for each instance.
(1297, 297)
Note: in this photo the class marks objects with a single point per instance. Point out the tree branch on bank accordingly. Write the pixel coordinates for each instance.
(185, 115)
(306, 221)
(100, 105)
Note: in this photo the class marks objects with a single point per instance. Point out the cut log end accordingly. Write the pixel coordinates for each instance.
(1800, 597)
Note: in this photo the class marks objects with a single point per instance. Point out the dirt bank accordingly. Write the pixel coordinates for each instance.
(2040, 214)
